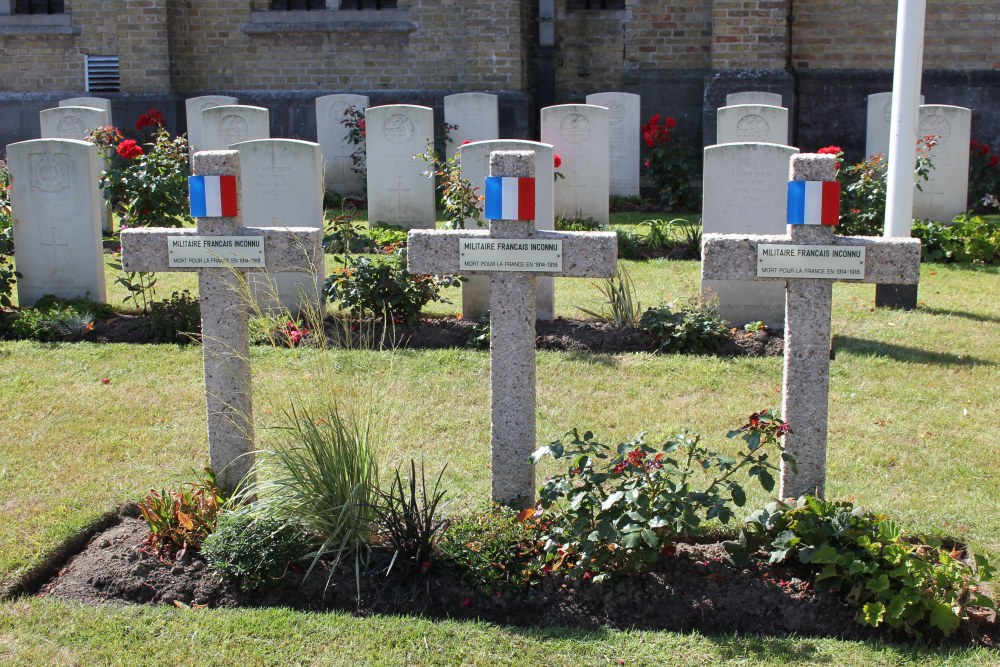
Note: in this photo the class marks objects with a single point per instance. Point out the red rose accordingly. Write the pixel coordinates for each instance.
(361, 124)
(973, 145)
(648, 138)
(646, 163)
(671, 123)
(984, 150)
(556, 160)
(994, 161)
(129, 150)
(466, 142)
(655, 120)
(830, 150)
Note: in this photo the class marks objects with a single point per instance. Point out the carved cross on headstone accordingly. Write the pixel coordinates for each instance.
(399, 190)
(52, 245)
(513, 253)
(809, 258)
(221, 249)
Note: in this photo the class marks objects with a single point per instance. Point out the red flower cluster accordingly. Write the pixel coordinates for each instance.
(655, 132)
(830, 150)
(152, 118)
(361, 126)
(556, 160)
(295, 333)
(982, 150)
(129, 150)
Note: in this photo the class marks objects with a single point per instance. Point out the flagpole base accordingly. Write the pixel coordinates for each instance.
(902, 297)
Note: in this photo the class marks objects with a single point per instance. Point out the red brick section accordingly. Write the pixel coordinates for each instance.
(749, 33)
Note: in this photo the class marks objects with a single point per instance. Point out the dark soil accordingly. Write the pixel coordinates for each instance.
(692, 589)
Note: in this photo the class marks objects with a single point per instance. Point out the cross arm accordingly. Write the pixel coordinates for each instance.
(893, 260)
(285, 248)
(584, 254)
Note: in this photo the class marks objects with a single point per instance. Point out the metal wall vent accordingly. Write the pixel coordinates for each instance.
(103, 74)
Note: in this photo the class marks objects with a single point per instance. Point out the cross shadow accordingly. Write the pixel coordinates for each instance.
(870, 348)
(976, 317)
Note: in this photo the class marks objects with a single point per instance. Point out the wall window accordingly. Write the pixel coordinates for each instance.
(39, 6)
(290, 5)
(575, 5)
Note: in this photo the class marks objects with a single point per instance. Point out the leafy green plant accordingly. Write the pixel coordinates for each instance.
(659, 234)
(753, 327)
(695, 329)
(279, 330)
(670, 164)
(970, 238)
(254, 549)
(623, 307)
(180, 520)
(630, 244)
(8, 275)
(577, 224)
(354, 122)
(910, 585)
(140, 286)
(459, 196)
(614, 509)
(54, 319)
(496, 549)
(176, 320)
(479, 334)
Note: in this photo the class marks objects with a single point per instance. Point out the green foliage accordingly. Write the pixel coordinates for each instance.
(984, 177)
(630, 244)
(623, 307)
(753, 327)
(695, 329)
(180, 520)
(459, 196)
(408, 520)
(354, 122)
(176, 320)
(479, 335)
(613, 510)
(140, 286)
(54, 319)
(496, 549)
(253, 549)
(670, 164)
(660, 232)
(384, 288)
(969, 238)
(7, 273)
(865, 558)
(577, 224)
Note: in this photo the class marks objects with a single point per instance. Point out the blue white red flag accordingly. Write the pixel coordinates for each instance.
(212, 196)
(813, 202)
(509, 198)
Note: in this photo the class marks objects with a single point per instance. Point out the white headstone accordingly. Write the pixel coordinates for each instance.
(71, 122)
(945, 193)
(877, 129)
(477, 118)
(579, 133)
(624, 125)
(474, 159)
(193, 108)
(93, 102)
(283, 187)
(226, 125)
(754, 97)
(745, 192)
(759, 123)
(57, 208)
(398, 193)
(337, 150)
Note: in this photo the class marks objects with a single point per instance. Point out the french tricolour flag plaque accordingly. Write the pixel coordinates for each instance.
(212, 196)
(509, 198)
(813, 202)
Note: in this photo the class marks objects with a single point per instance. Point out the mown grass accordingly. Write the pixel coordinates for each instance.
(912, 433)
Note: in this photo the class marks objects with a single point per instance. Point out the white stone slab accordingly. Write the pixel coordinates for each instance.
(398, 193)
(477, 118)
(877, 128)
(624, 123)
(758, 123)
(475, 162)
(745, 192)
(225, 125)
(193, 108)
(945, 194)
(71, 122)
(337, 149)
(57, 209)
(579, 133)
(93, 102)
(754, 97)
(283, 187)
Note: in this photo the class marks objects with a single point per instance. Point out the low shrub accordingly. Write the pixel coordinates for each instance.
(7, 273)
(279, 331)
(176, 320)
(670, 164)
(630, 244)
(622, 304)
(564, 224)
(53, 319)
(253, 549)
(912, 585)
(984, 176)
(970, 238)
(180, 520)
(695, 329)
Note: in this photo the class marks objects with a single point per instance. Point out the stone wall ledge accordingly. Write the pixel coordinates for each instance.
(12, 25)
(330, 20)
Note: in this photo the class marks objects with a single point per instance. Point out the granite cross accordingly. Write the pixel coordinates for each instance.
(221, 249)
(809, 258)
(513, 253)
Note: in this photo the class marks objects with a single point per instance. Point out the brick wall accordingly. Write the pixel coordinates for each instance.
(749, 33)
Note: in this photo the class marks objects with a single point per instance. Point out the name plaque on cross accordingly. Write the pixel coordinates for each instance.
(479, 254)
(810, 261)
(216, 251)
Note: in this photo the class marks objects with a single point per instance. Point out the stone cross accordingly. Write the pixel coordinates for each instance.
(513, 253)
(225, 305)
(819, 257)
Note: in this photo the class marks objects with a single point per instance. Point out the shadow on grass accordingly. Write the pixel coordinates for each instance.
(870, 348)
(975, 317)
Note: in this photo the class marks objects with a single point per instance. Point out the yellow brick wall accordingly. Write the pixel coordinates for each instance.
(749, 33)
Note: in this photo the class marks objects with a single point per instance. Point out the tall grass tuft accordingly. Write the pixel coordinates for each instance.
(623, 307)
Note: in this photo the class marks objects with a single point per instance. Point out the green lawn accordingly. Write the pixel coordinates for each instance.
(913, 416)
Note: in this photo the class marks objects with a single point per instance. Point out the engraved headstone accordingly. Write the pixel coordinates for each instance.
(225, 125)
(224, 311)
(579, 134)
(759, 123)
(57, 209)
(93, 102)
(745, 193)
(945, 193)
(71, 122)
(754, 97)
(477, 118)
(815, 253)
(193, 107)
(331, 133)
(512, 315)
(474, 159)
(398, 192)
(624, 124)
(879, 115)
(283, 187)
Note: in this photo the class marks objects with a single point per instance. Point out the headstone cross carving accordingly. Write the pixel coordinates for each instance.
(513, 253)
(809, 258)
(221, 250)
